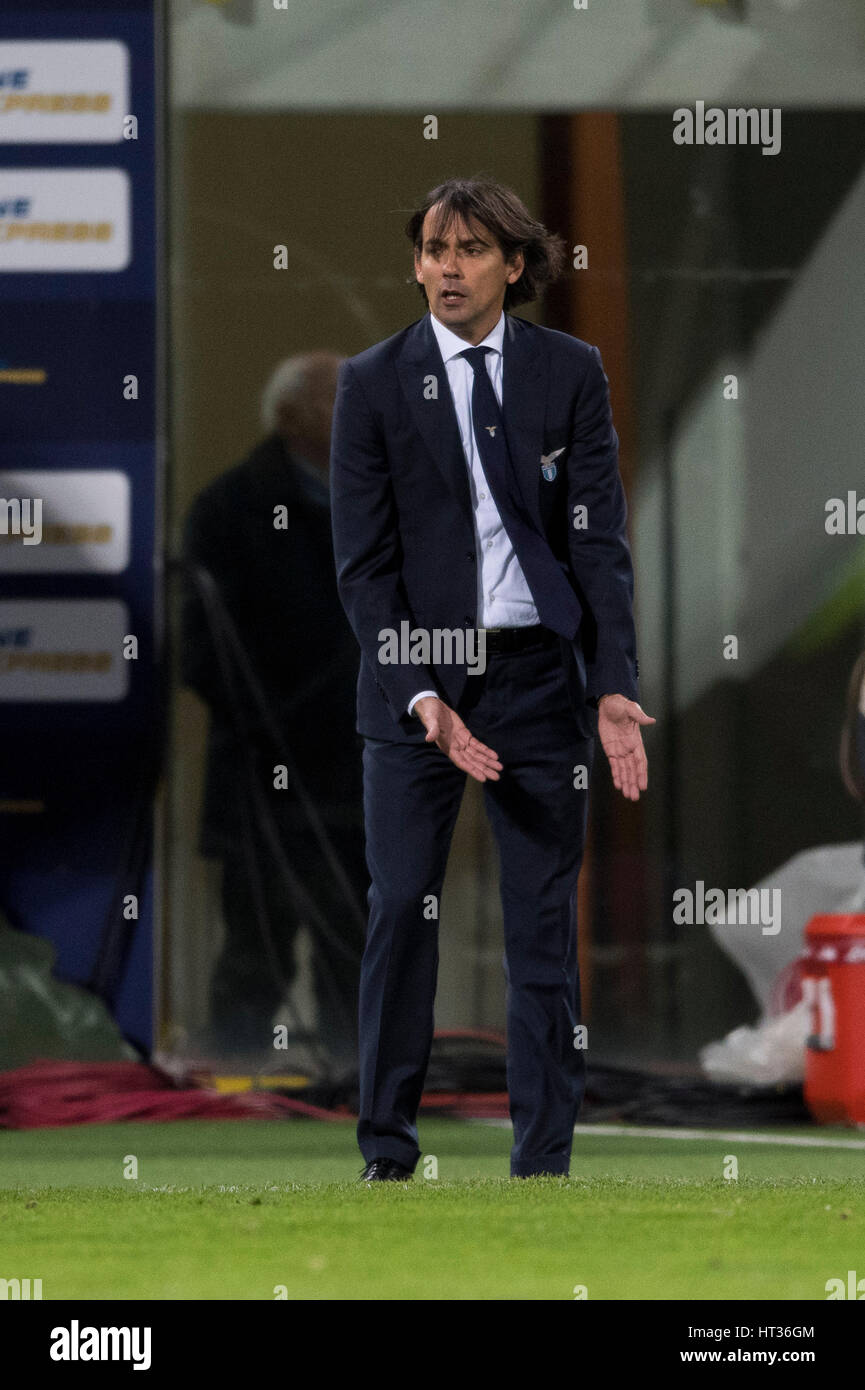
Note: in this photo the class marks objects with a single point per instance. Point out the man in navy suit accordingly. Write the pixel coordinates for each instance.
(482, 559)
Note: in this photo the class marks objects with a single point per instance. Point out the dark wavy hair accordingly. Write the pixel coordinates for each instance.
(502, 213)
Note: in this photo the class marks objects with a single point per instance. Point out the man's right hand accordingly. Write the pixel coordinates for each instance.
(445, 728)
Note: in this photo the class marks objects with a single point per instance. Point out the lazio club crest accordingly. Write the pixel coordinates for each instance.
(548, 467)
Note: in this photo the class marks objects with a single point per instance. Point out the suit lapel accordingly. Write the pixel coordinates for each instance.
(525, 379)
(436, 419)
(524, 394)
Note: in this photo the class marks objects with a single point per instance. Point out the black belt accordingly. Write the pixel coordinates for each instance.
(500, 640)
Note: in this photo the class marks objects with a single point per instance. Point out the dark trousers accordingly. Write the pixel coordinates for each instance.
(412, 795)
(261, 920)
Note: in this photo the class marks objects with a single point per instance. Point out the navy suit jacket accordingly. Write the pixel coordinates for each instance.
(403, 529)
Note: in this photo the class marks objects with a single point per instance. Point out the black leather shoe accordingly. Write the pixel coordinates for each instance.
(385, 1170)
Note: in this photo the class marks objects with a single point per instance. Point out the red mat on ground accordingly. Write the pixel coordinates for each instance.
(50, 1094)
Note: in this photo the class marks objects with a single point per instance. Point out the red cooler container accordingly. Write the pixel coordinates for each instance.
(833, 984)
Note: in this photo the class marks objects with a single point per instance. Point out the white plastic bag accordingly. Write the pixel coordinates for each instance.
(830, 878)
(771, 1052)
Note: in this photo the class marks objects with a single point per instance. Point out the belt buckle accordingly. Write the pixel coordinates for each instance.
(490, 638)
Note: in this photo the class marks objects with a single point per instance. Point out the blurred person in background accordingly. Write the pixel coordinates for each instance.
(852, 751)
(262, 530)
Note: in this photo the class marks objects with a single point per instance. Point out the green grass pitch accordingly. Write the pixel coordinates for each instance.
(260, 1209)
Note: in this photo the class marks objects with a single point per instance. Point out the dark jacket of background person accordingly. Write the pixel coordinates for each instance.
(852, 749)
(279, 587)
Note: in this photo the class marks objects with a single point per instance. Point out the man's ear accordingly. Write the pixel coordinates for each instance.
(516, 266)
(418, 273)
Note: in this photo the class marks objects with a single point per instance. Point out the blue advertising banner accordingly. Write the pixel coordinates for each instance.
(80, 459)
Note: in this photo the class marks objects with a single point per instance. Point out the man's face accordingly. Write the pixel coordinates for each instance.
(304, 421)
(465, 275)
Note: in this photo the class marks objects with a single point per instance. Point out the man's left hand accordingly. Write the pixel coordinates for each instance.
(619, 721)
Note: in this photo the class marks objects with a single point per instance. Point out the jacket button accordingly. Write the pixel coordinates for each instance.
(468, 619)
(470, 554)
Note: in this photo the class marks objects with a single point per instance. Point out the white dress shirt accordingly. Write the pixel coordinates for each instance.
(503, 596)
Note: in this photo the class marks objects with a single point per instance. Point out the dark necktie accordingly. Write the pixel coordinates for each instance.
(553, 596)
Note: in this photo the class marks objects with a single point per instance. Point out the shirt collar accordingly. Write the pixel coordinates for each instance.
(450, 345)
